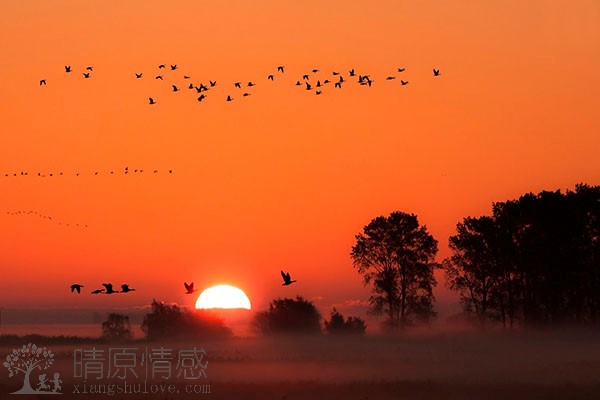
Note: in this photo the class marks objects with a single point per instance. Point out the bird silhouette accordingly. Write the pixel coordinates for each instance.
(436, 72)
(189, 288)
(404, 83)
(76, 287)
(287, 280)
(308, 86)
(280, 69)
(202, 97)
(298, 83)
(151, 101)
(365, 81)
(238, 85)
(67, 68)
(335, 73)
(401, 69)
(173, 67)
(89, 68)
(138, 76)
(212, 83)
(318, 83)
(159, 77)
(338, 85)
(191, 86)
(161, 66)
(389, 78)
(42, 82)
(86, 75)
(305, 77)
(270, 77)
(250, 84)
(318, 92)
(126, 289)
(186, 77)
(314, 71)
(246, 94)
(352, 73)
(229, 98)
(109, 288)
(175, 88)
(97, 291)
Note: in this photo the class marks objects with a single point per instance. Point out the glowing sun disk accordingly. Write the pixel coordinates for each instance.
(223, 296)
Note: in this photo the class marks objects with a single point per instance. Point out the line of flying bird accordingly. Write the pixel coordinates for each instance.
(305, 81)
(189, 287)
(108, 289)
(126, 171)
(45, 217)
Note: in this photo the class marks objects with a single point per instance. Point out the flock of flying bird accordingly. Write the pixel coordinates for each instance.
(337, 79)
(108, 289)
(200, 89)
(95, 173)
(45, 217)
(189, 287)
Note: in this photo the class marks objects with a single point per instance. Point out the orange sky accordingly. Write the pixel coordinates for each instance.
(282, 178)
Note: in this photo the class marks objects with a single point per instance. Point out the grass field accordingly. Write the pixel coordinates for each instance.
(532, 365)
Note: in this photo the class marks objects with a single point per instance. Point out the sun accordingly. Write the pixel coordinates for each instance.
(223, 296)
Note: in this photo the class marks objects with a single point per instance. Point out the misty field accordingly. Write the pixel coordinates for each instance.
(532, 365)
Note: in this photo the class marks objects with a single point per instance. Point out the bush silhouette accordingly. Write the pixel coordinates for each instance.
(170, 321)
(338, 325)
(289, 316)
(116, 328)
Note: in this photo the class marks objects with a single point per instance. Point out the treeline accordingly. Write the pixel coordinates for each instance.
(166, 321)
(533, 261)
(301, 316)
(284, 316)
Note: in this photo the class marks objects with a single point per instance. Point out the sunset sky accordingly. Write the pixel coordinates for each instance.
(281, 179)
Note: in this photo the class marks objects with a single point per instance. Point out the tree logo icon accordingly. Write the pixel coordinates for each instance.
(26, 360)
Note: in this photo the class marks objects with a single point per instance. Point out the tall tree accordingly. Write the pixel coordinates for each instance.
(397, 256)
(472, 270)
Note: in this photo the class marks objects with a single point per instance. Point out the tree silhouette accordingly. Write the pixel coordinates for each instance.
(289, 316)
(479, 272)
(535, 260)
(397, 256)
(170, 321)
(338, 325)
(25, 360)
(116, 327)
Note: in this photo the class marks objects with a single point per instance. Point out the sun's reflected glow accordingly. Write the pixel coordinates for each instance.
(223, 296)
